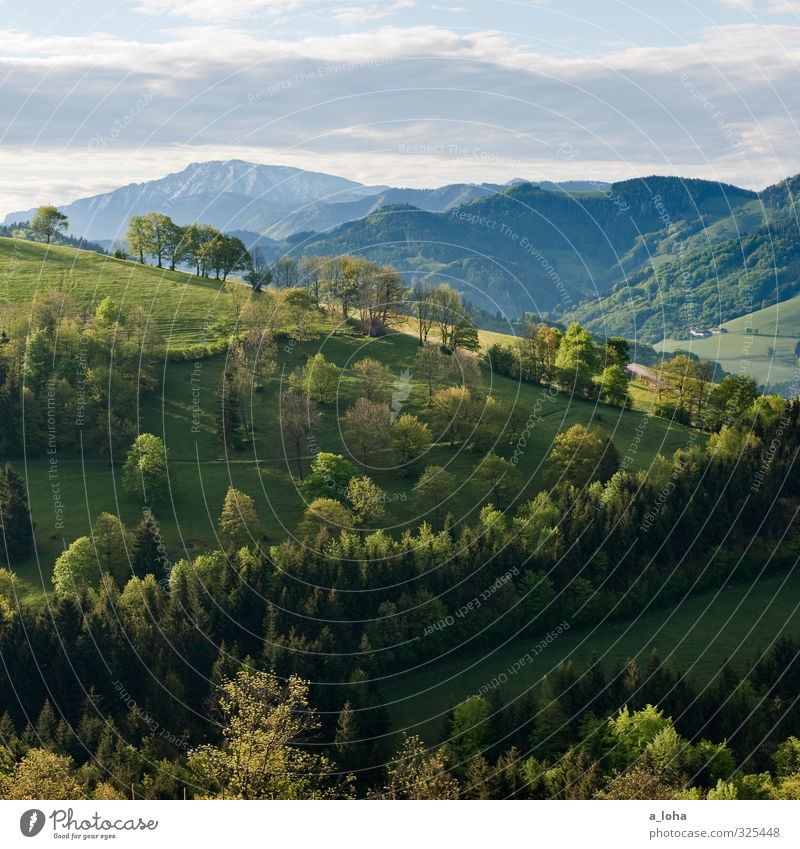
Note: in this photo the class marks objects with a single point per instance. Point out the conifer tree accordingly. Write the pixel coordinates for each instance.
(15, 518)
(148, 556)
(231, 430)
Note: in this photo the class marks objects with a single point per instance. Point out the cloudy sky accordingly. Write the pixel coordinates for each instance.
(95, 94)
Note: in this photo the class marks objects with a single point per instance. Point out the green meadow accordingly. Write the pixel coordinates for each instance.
(187, 310)
(734, 624)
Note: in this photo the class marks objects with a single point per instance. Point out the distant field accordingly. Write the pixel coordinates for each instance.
(185, 308)
(768, 353)
(699, 636)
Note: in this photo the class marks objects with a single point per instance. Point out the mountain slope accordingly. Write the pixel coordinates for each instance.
(646, 257)
(704, 287)
(764, 343)
(326, 216)
(276, 201)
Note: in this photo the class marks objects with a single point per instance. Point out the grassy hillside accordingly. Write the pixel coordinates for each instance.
(763, 344)
(186, 310)
(642, 396)
(200, 472)
(735, 624)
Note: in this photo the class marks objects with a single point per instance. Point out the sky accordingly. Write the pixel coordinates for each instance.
(97, 94)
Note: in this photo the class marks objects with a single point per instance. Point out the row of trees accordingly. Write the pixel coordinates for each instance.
(577, 736)
(687, 392)
(266, 723)
(345, 284)
(440, 310)
(156, 235)
(112, 550)
(686, 389)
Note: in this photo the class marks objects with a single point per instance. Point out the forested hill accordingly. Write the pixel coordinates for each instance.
(705, 287)
(678, 279)
(529, 249)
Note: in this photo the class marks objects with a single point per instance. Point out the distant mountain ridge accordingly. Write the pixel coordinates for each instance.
(272, 200)
(526, 248)
(326, 216)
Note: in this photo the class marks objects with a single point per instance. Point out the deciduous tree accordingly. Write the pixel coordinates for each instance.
(137, 236)
(366, 427)
(420, 773)
(499, 479)
(575, 360)
(430, 363)
(259, 271)
(614, 384)
(76, 568)
(320, 379)
(42, 775)
(432, 490)
(48, 221)
(373, 378)
(157, 232)
(448, 311)
(299, 418)
(325, 514)
(265, 724)
(581, 456)
(113, 545)
(144, 473)
(366, 499)
(410, 439)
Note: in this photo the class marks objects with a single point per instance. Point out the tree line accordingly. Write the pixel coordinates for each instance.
(687, 389)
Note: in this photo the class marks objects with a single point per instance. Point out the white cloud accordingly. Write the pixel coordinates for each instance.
(353, 15)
